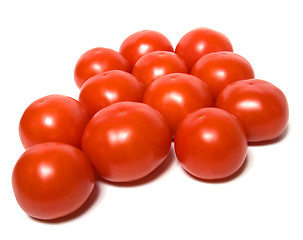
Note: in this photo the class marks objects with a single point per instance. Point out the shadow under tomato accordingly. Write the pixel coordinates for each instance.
(96, 196)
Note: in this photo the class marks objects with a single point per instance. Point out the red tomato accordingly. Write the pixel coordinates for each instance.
(139, 43)
(210, 144)
(51, 180)
(98, 60)
(219, 69)
(177, 94)
(260, 106)
(126, 141)
(156, 64)
(54, 118)
(200, 41)
(110, 87)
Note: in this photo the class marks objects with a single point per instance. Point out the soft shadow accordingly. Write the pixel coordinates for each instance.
(273, 141)
(160, 170)
(96, 195)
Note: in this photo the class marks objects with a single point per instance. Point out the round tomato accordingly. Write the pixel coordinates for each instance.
(110, 87)
(177, 94)
(219, 69)
(54, 118)
(210, 144)
(98, 60)
(260, 106)
(200, 41)
(145, 41)
(126, 141)
(51, 180)
(156, 64)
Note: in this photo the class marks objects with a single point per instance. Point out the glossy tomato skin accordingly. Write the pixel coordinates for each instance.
(110, 87)
(126, 141)
(98, 60)
(199, 42)
(53, 118)
(51, 180)
(260, 106)
(177, 94)
(210, 144)
(219, 69)
(156, 64)
(142, 42)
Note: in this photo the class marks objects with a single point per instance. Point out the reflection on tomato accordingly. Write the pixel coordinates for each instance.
(156, 64)
(51, 180)
(126, 141)
(199, 42)
(177, 94)
(98, 60)
(142, 42)
(210, 144)
(54, 118)
(260, 106)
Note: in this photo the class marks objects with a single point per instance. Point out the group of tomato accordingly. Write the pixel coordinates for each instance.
(132, 104)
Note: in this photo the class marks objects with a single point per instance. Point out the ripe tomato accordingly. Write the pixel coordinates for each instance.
(219, 69)
(54, 118)
(260, 106)
(210, 144)
(200, 41)
(177, 94)
(139, 43)
(110, 87)
(156, 64)
(51, 180)
(98, 60)
(126, 141)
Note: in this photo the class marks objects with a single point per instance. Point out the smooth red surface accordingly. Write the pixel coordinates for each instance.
(98, 60)
(210, 144)
(177, 94)
(54, 118)
(199, 42)
(156, 64)
(142, 42)
(260, 106)
(219, 69)
(126, 141)
(52, 180)
(110, 87)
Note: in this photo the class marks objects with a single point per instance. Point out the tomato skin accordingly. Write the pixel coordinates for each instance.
(199, 42)
(156, 64)
(98, 60)
(51, 180)
(53, 118)
(142, 42)
(210, 144)
(177, 94)
(110, 87)
(260, 106)
(219, 69)
(126, 141)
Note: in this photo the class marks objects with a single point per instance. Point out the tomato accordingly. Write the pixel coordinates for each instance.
(260, 106)
(54, 118)
(139, 43)
(126, 141)
(109, 87)
(156, 64)
(51, 180)
(200, 41)
(177, 94)
(98, 60)
(210, 144)
(219, 69)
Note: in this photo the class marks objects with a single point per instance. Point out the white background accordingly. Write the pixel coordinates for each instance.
(40, 43)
